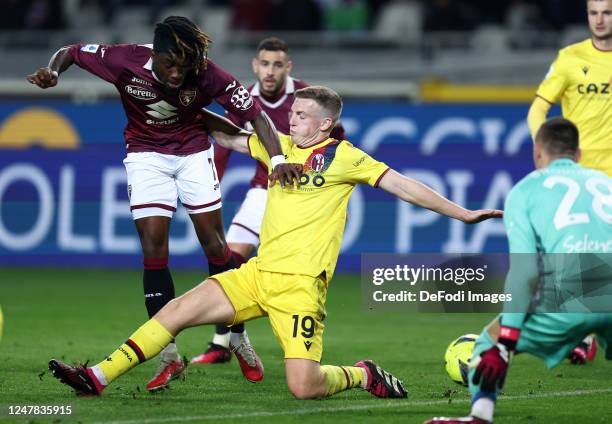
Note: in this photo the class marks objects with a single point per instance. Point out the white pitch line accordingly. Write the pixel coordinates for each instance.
(396, 404)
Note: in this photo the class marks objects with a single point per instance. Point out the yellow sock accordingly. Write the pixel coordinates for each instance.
(144, 344)
(338, 379)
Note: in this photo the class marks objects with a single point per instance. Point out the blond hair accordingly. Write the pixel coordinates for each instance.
(325, 97)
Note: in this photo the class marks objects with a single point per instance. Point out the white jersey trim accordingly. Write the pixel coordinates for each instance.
(289, 89)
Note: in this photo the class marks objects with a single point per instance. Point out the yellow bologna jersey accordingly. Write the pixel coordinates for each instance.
(302, 227)
(581, 79)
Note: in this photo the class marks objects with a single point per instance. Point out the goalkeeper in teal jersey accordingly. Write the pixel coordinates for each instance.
(555, 217)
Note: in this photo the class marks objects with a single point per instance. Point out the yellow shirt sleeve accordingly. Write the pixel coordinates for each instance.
(555, 82)
(259, 152)
(537, 115)
(361, 168)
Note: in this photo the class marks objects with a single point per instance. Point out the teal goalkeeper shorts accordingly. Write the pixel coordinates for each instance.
(552, 336)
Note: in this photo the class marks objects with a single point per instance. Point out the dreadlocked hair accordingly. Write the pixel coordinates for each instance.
(184, 41)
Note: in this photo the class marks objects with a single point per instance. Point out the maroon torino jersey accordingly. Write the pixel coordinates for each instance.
(160, 119)
(278, 109)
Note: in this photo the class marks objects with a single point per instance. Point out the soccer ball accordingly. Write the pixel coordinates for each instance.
(457, 356)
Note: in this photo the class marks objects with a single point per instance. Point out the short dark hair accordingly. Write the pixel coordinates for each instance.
(325, 97)
(273, 44)
(559, 137)
(182, 39)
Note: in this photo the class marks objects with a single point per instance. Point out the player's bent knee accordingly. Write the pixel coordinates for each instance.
(304, 386)
(302, 390)
(171, 317)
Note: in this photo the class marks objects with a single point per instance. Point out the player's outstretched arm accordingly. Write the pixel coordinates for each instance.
(285, 173)
(217, 123)
(47, 77)
(419, 194)
(225, 132)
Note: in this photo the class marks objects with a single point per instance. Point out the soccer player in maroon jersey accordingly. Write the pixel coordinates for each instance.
(273, 92)
(163, 88)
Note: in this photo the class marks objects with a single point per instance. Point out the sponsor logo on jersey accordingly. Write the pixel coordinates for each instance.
(141, 81)
(140, 92)
(585, 70)
(360, 161)
(593, 88)
(90, 48)
(163, 122)
(187, 96)
(162, 110)
(241, 98)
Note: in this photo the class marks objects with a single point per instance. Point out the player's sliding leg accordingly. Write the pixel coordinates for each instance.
(219, 349)
(307, 379)
(158, 291)
(300, 333)
(204, 304)
(209, 229)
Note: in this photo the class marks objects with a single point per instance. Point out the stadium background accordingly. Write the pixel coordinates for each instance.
(438, 92)
(437, 89)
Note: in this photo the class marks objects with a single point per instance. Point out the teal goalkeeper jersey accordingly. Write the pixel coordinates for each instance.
(563, 208)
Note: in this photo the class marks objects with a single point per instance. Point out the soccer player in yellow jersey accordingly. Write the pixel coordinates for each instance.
(581, 79)
(300, 240)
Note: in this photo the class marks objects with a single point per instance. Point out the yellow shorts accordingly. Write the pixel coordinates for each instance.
(294, 303)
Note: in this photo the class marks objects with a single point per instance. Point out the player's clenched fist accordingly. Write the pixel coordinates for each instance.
(43, 77)
(287, 174)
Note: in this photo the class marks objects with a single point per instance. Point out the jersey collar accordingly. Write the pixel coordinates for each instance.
(289, 89)
(149, 67)
(557, 163)
(597, 49)
(317, 145)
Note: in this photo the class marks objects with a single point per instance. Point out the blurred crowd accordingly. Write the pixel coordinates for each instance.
(315, 15)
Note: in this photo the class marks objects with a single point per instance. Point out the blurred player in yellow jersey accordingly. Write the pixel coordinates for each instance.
(288, 280)
(581, 79)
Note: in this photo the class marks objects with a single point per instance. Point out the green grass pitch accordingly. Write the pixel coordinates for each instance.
(79, 315)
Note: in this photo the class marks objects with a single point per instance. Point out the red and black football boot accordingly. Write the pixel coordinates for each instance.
(81, 379)
(215, 354)
(381, 383)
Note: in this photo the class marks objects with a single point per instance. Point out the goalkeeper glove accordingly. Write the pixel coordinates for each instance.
(492, 366)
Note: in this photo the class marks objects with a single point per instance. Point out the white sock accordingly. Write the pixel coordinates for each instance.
(236, 339)
(222, 339)
(483, 408)
(99, 375)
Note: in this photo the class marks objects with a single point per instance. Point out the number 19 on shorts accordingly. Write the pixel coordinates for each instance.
(305, 326)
